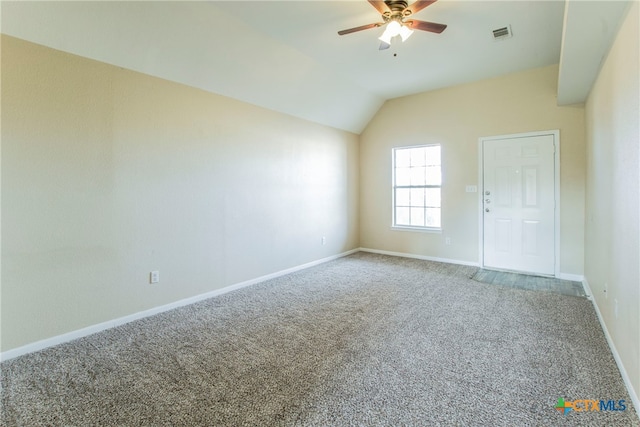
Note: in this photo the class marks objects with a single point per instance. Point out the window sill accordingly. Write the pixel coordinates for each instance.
(417, 229)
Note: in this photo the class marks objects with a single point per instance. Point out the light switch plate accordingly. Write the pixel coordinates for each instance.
(472, 189)
(154, 277)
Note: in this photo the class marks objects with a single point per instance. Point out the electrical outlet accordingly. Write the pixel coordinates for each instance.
(324, 240)
(606, 288)
(154, 277)
(447, 240)
(615, 308)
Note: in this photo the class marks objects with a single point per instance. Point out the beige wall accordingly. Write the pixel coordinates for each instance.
(456, 118)
(108, 174)
(612, 252)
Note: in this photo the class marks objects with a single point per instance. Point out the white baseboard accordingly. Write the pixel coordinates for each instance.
(589, 293)
(614, 351)
(70, 336)
(563, 276)
(571, 277)
(423, 257)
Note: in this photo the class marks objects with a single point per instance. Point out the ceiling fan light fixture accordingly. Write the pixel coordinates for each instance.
(385, 38)
(405, 32)
(395, 28)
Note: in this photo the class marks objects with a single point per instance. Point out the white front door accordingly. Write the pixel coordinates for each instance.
(519, 203)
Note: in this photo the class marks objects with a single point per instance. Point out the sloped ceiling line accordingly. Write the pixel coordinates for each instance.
(286, 55)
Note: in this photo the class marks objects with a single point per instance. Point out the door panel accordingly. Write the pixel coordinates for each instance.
(530, 186)
(503, 235)
(530, 238)
(519, 204)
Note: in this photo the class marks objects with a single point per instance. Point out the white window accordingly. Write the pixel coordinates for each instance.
(417, 180)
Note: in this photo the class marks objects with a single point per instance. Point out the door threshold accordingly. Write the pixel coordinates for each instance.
(519, 280)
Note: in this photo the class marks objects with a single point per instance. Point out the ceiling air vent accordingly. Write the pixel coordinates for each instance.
(502, 33)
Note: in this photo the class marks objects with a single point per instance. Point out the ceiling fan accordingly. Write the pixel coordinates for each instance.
(395, 15)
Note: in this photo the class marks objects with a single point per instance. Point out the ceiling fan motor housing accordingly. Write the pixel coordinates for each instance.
(396, 5)
(397, 10)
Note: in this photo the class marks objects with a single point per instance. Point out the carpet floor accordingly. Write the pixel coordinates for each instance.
(365, 340)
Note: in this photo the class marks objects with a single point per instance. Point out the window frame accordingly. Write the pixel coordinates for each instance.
(394, 187)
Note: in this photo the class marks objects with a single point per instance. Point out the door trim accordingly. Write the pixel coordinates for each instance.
(556, 183)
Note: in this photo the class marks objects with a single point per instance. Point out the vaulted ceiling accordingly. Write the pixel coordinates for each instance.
(288, 57)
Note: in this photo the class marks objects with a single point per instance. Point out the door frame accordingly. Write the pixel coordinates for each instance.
(556, 183)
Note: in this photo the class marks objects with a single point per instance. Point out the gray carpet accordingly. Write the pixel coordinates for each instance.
(363, 340)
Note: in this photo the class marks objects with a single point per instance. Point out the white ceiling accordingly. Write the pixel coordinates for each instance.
(287, 56)
(589, 30)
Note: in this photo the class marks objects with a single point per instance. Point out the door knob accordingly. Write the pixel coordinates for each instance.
(486, 210)
(487, 200)
(487, 193)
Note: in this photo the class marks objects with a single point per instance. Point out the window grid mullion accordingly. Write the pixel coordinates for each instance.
(405, 173)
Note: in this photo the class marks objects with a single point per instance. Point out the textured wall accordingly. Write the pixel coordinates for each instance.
(108, 174)
(612, 252)
(456, 118)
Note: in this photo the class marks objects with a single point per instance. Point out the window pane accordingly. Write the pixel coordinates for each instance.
(433, 217)
(417, 197)
(403, 176)
(417, 216)
(433, 155)
(418, 156)
(417, 180)
(418, 176)
(403, 158)
(402, 197)
(434, 176)
(433, 197)
(402, 216)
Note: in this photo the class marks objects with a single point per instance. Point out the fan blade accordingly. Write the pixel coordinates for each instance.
(384, 46)
(380, 6)
(360, 28)
(419, 5)
(426, 26)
